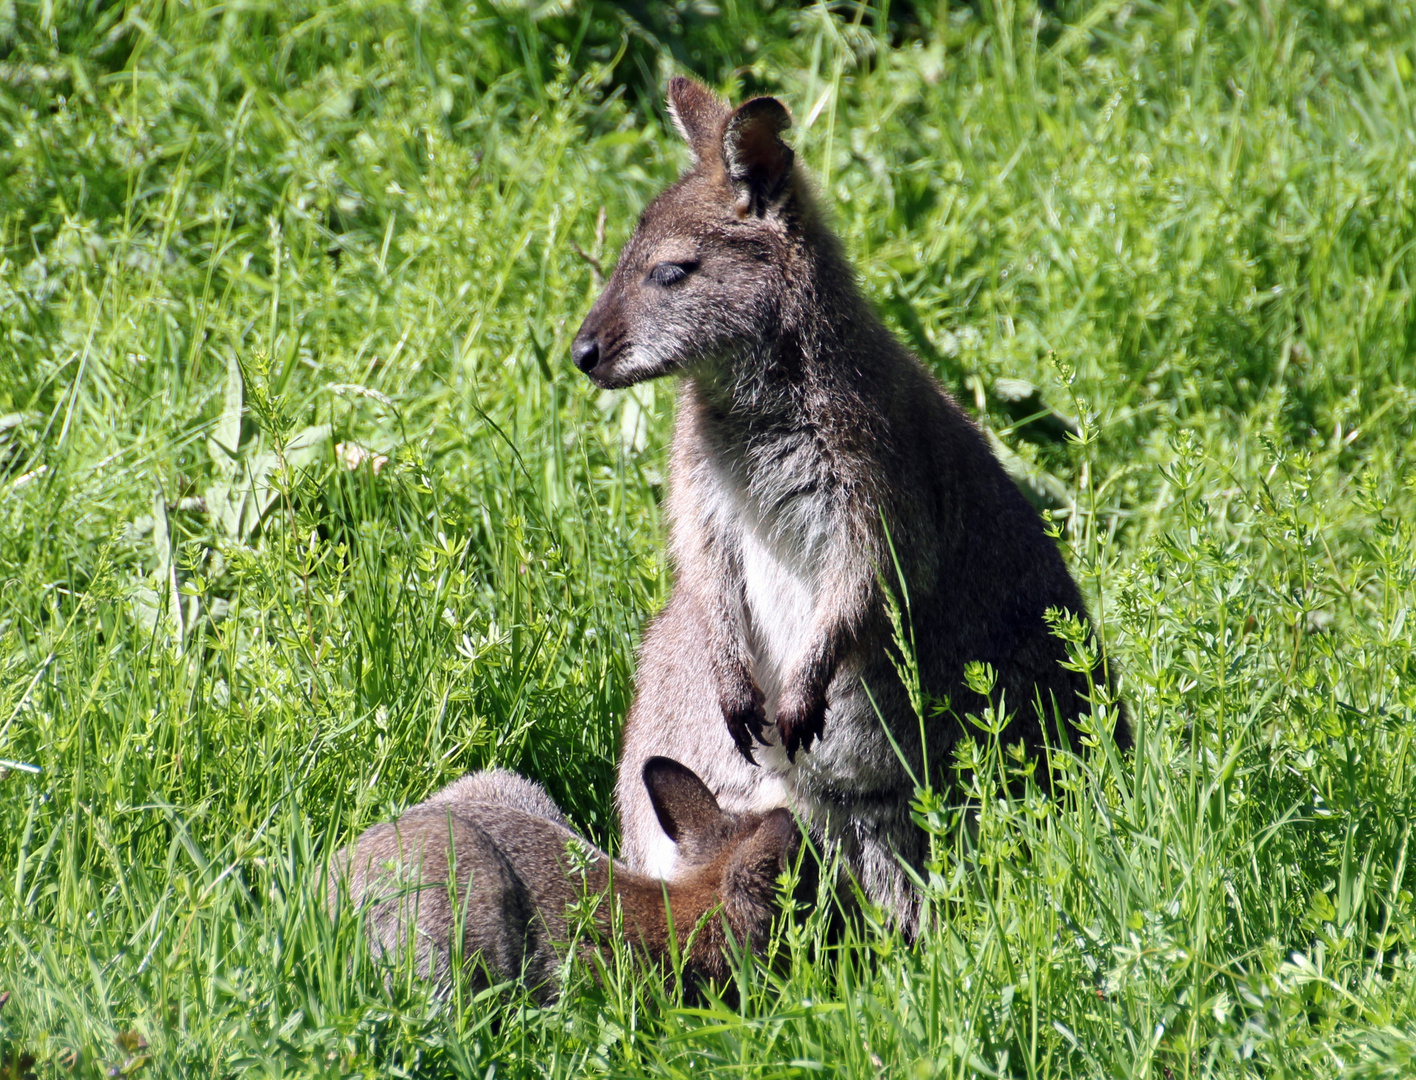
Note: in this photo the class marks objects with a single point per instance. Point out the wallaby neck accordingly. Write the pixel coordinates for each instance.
(646, 916)
(827, 338)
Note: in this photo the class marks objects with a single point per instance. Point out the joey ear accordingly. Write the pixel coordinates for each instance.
(683, 803)
(767, 851)
(752, 151)
(697, 114)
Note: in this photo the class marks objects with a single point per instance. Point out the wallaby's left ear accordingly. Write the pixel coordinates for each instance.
(756, 158)
(685, 807)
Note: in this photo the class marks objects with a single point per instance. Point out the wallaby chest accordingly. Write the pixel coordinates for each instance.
(773, 498)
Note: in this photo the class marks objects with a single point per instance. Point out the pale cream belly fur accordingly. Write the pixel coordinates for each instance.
(780, 603)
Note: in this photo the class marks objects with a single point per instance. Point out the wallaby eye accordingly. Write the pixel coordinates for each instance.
(671, 273)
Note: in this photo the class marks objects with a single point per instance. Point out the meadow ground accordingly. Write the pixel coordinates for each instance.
(304, 512)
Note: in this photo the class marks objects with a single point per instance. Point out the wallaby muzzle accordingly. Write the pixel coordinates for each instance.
(596, 344)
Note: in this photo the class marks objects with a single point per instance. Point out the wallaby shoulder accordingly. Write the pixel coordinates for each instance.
(498, 787)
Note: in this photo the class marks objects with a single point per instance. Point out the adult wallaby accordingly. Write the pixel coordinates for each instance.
(812, 454)
(517, 866)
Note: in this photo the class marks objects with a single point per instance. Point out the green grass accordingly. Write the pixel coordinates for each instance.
(1192, 226)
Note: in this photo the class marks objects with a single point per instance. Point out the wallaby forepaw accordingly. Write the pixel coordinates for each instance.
(799, 724)
(747, 723)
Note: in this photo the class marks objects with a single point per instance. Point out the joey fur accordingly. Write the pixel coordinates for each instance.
(512, 856)
(808, 444)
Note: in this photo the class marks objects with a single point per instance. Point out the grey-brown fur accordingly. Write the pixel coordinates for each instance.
(500, 786)
(804, 432)
(518, 867)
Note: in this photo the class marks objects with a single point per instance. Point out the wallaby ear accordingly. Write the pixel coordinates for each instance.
(754, 155)
(698, 115)
(683, 803)
(767, 851)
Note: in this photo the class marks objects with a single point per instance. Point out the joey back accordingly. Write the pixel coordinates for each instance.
(812, 455)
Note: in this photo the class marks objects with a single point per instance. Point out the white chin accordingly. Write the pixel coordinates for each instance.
(636, 368)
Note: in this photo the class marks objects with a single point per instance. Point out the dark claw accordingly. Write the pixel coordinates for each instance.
(799, 732)
(757, 724)
(743, 711)
(742, 740)
(795, 742)
(744, 726)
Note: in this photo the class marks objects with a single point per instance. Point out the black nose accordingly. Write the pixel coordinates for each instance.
(585, 351)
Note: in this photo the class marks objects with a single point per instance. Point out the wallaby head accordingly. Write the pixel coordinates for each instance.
(705, 274)
(749, 884)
